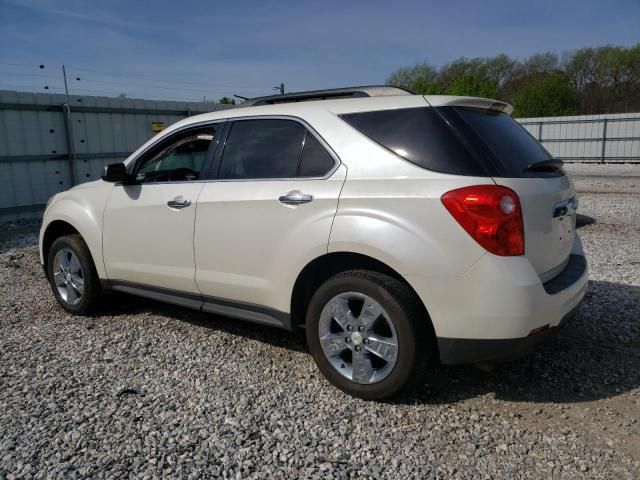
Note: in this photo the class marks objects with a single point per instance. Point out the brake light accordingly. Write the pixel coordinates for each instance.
(491, 214)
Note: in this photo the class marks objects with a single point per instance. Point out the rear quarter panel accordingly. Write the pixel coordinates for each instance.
(390, 209)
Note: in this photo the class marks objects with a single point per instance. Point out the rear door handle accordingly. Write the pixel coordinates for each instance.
(295, 198)
(178, 203)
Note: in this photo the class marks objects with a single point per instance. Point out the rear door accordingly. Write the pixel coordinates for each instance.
(267, 213)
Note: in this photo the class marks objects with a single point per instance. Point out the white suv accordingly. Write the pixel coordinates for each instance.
(397, 229)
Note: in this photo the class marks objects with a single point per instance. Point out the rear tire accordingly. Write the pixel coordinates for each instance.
(369, 334)
(72, 275)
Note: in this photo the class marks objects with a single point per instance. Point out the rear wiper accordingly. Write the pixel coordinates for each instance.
(544, 164)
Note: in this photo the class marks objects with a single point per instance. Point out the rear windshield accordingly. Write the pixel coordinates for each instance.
(456, 140)
(510, 145)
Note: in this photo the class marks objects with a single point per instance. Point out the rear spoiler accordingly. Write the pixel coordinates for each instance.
(473, 102)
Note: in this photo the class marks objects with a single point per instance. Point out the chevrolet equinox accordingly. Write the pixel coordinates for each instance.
(397, 229)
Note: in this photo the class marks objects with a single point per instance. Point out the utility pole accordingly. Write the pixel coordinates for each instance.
(280, 88)
(69, 131)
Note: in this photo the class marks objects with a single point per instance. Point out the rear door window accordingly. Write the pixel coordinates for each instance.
(257, 149)
(315, 161)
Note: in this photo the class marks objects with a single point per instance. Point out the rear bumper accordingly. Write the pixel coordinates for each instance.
(493, 311)
(459, 351)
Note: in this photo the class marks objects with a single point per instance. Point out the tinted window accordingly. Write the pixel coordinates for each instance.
(178, 159)
(421, 136)
(511, 145)
(262, 149)
(316, 161)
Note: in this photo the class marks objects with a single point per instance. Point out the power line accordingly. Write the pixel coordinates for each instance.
(123, 84)
(109, 74)
(170, 85)
(14, 74)
(37, 87)
(166, 81)
(22, 65)
(79, 92)
(209, 89)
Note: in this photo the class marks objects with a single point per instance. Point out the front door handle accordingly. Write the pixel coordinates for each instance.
(178, 203)
(295, 198)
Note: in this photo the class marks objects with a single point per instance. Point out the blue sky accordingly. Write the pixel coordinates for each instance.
(187, 49)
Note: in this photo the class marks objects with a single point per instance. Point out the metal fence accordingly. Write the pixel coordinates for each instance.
(612, 138)
(45, 149)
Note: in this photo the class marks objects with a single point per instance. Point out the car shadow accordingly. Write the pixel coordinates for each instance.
(597, 355)
(122, 304)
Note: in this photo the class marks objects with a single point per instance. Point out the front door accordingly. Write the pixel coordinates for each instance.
(149, 226)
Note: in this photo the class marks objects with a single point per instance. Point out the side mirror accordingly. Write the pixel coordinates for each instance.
(115, 172)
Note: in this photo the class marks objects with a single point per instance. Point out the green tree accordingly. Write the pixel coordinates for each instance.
(500, 68)
(422, 78)
(449, 73)
(607, 78)
(473, 86)
(547, 95)
(227, 101)
(602, 80)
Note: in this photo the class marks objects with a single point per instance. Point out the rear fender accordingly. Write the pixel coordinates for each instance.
(434, 246)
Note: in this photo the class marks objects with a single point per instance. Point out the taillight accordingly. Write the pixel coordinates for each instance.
(491, 214)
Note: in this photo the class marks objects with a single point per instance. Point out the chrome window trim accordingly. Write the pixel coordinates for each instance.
(336, 159)
(133, 162)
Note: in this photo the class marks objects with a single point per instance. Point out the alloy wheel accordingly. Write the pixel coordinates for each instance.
(68, 276)
(358, 338)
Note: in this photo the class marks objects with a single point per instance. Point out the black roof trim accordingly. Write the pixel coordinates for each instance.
(329, 94)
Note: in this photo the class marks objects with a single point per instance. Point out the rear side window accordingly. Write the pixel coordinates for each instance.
(456, 140)
(262, 149)
(421, 136)
(315, 161)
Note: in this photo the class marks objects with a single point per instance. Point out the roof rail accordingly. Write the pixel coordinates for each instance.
(330, 94)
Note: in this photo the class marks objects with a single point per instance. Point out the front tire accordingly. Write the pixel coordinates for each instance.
(369, 334)
(72, 275)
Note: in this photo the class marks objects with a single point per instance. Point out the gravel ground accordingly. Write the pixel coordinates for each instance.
(148, 390)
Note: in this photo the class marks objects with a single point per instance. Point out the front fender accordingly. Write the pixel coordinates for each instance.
(82, 208)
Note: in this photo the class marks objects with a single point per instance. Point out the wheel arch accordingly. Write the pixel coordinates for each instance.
(56, 229)
(324, 267)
